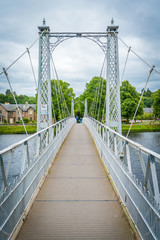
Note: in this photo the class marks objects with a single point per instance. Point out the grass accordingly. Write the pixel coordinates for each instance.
(32, 128)
(142, 128)
(17, 129)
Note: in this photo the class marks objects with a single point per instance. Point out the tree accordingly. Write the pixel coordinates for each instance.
(147, 98)
(8, 92)
(58, 103)
(21, 99)
(10, 98)
(2, 98)
(148, 102)
(96, 86)
(156, 103)
(147, 93)
(32, 100)
(129, 101)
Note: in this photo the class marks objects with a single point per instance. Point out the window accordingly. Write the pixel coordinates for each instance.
(0, 111)
(19, 119)
(30, 118)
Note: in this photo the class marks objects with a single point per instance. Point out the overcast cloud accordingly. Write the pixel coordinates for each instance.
(78, 60)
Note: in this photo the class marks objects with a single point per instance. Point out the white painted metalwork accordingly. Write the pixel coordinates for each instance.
(141, 199)
(113, 106)
(33, 158)
(99, 38)
(44, 108)
(85, 109)
(72, 108)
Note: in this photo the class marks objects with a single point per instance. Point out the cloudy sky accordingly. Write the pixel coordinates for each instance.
(78, 60)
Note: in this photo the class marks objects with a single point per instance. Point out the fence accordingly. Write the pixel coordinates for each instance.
(23, 167)
(141, 199)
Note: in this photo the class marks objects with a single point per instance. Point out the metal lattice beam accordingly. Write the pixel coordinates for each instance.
(108, 42)
(113, 109)
(100, 38)
(44, 111)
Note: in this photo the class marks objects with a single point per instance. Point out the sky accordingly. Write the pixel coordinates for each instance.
(78, 60)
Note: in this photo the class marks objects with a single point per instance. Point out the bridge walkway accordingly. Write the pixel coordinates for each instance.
(76, 200)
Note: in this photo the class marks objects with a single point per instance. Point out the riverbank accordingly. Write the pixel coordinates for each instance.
(12, 129)
(17, 129)
(141, 128)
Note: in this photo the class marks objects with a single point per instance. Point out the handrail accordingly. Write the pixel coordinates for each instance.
(140, 196)
(23, 167)
(131, 143)
(30, 137)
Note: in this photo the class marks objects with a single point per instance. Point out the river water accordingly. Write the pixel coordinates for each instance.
(147, 139)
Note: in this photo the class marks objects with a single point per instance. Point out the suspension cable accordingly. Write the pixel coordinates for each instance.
(125, 64)
(138, 56)
(140, 100)
(29, 55)
(4, 70)
(19, 57)
(104, 107)
(54, 112)
(100, 97)
(65, 104)
(64, 107)
(95, 99)
(100, 85)
(56, 90)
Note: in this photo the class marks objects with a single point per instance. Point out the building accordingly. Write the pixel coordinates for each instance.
(148, 110)
(10, 113)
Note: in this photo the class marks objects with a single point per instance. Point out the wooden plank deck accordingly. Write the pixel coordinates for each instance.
(76, 200)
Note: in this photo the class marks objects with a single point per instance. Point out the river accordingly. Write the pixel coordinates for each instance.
(150, 140)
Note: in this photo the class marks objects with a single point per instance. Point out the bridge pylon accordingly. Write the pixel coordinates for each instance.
(85, 109)
(44, 108)
(72, 108)
(113, 106)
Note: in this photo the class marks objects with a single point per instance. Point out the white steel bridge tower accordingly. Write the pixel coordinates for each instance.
(44, 109)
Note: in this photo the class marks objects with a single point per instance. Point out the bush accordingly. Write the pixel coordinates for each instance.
(4, 120)
(19, 122)
(145, 116)
(25, 120)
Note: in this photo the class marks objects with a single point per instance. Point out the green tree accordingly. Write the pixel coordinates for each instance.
(22, 99)
(8, 92)
(2, 98)
(58, 104)
(129, 101)
(96, 85)
(147, 98)
(147, 93)
(148, 102)
(10, 98)
(32, 100)
(156, 103)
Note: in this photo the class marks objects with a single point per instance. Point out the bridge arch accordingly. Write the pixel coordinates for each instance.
(85, 107)
(110, 46)
(94, 37)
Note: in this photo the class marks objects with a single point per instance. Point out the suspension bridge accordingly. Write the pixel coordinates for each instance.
(76, 181)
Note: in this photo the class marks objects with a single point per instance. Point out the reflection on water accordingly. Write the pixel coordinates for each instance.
(7, 139)
(16, 156)
(147, 139)
(150, 140)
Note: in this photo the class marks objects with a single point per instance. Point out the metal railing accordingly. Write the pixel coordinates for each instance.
(22, 167)
(138, 192)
